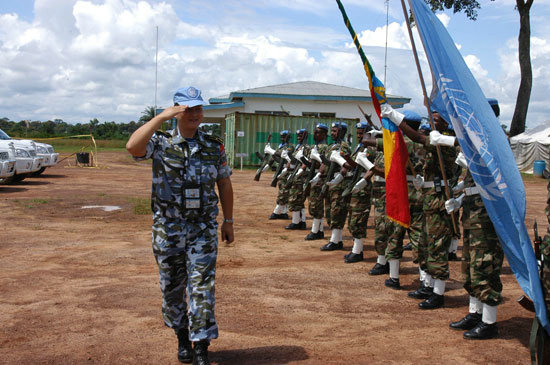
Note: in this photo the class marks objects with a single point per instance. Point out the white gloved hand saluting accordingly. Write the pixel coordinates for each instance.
(438, 139)
(315, 179)
(360, 185)
(338, 178)
(386, 111)
(452, 205)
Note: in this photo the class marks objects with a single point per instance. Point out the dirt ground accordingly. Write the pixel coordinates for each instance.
(81, 285)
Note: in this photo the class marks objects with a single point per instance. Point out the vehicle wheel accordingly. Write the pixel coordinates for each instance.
(39, 172)
(17, 178)
(7, 180)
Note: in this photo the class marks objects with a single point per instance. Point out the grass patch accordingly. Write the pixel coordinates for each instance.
(142, 206)
(72, 145)
(31, 203)
(284, 238)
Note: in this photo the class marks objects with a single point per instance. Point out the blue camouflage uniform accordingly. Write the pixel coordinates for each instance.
(185, 240)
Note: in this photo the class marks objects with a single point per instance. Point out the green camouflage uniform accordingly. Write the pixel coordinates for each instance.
(283, 194)
(338, 204)
(318, 203)
(482, 255)
(417, 235)
(185, 241)
(545, 250)
(438, 224)
(359, 207)
(297, 197)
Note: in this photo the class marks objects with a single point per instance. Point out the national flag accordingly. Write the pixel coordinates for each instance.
(458, 97)
(395, 150)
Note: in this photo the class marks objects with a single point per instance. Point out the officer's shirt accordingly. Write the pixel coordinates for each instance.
(185, 172)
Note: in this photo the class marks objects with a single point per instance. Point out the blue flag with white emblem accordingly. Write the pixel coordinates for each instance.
(458, 97)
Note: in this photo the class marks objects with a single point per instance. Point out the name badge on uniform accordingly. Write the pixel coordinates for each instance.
(192, 195)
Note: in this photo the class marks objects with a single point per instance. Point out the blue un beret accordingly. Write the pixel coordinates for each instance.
(300, 131)
(322, 126)
(285, 132)
(340, 124)
(425, 125)
(362, 125)
(412, 116)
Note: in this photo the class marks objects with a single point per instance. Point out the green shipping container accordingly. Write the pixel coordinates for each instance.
(246, 133)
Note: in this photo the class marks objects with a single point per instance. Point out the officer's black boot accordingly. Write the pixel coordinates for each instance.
(433, 302)
(332, 246)
(201, 353)
(185, 351)
(467, 323)
(482, 331)
(392, 283)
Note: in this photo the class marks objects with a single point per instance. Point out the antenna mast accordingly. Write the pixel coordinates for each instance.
(386, 50)
(156, 70)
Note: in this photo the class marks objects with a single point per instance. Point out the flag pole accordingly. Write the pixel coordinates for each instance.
(427, 104)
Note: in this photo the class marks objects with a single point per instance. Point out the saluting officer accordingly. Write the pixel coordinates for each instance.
(187, 164)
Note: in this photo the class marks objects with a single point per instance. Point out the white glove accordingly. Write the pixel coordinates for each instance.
(269, 150)
(283, 173)
(375, 132)
(338, 178)
(438, 139)
(461, 160)
(315, 179)
(299, 172)
(336, 157)
(458, 187)
(386, 111)
(314, 155)
(359, 186)
(284, 155)
(363, 161)
(452, 205)
(418, 182)
(265, 168)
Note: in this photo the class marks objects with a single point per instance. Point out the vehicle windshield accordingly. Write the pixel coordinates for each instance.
(3, 135)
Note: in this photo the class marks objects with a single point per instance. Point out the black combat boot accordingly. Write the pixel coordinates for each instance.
(353, 257)
(467, 323)
(380, 269)
(392, 283)
(185, 351)
(315, 236)
(201, 353)
(294, 226)
(424, 292)
(433, 302)
(482, 331)
(331, 246)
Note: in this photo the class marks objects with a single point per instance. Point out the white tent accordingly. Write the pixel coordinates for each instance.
(532, 145)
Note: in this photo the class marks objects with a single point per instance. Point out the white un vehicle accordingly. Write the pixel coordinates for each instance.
(32, 158)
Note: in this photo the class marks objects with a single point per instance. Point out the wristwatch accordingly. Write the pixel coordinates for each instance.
(225, 220)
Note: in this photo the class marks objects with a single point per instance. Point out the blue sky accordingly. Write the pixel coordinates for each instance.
(80, 59)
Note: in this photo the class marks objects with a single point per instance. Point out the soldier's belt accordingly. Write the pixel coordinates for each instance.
(430, 184)
(379, 178)
(474, 190)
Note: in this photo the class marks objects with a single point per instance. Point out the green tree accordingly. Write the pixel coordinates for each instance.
(469, 7)
(147, 114)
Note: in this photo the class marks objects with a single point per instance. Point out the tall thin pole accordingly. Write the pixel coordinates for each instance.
(386, 50)
(427, 103)
(156, 70)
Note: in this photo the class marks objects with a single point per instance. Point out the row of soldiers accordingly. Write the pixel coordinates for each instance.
(341, 182)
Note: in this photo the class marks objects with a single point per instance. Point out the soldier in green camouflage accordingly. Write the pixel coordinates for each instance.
(295, 182)
(187, 164)
(338, 203)
(438, 223)
(318, 203)
(281, 209)
(359, 208)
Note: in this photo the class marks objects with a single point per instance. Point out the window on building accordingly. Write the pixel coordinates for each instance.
(271, 112)
(327, 115)
(318, 115)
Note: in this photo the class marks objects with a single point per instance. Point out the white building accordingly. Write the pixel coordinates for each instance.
(305, 98)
